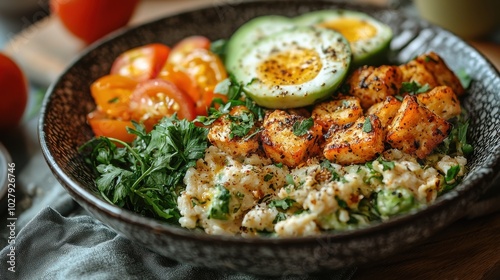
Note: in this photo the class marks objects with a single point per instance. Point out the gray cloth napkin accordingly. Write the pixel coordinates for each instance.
(57, 239)
(51, 246)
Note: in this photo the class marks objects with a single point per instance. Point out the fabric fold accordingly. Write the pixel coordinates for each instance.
(52, 246)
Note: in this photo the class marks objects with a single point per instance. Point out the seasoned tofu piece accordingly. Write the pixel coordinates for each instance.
(359, 143)
(225, 132)
(416, 72)
(337, 112)
(373, 84)
(385, 110)
(431, 69)
(282, 145)
(442, 101)
(416, 130)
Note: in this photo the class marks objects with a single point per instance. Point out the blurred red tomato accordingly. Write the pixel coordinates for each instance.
(14, 93)
(90, 20)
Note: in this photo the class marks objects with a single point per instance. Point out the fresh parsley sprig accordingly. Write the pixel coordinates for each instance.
(456, 142)
(301, 127)
(411, 88)
(146, 175)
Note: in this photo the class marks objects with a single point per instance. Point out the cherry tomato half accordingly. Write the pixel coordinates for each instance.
(206, 68)
(187, 84)
(112, 93)
(156, 98)
(141, 63)
(90, 20)
(14, 93)
(186, 46)
(103, 126)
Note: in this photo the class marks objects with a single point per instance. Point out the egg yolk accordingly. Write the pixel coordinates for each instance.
(352, 29)
(291, 67)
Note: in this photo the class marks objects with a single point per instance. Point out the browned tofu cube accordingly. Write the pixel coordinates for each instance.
(282, 145)
(442, 101)
(431, 69)
(359, 143)
(416, 130)
(415, 72)
(373, 84)
(385, 110)
(337, 112)
(222, 134)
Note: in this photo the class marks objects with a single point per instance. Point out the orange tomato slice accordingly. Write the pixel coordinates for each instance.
(103, 126)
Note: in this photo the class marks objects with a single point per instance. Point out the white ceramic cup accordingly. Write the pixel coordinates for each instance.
(469, 19)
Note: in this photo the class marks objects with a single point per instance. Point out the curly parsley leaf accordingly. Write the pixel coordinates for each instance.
(413, 88)
(456, 142)
(300, 128)
(146, 175)
(241, 124)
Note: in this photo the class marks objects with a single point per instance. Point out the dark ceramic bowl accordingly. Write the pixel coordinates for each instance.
(63, 129)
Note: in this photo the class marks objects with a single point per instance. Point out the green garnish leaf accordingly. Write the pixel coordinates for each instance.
(289, 180)
(326, 164)
(113, 100)
(413, 88)
(300, 128)
(218, 47)
(464, 77)
(279, 217)
(341, 202)
(146, 175)
(452, 173)
(241, 124)
(219, 209)
(387, 165)
(367, 126)
(268, 177)
(282, 203)
(456, 142)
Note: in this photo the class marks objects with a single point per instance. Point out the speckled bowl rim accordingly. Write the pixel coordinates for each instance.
(128, 216)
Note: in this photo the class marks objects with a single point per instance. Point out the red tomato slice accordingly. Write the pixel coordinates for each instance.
(112, 93)
(186, 46)
(103, 126)
(156, 98)
(141, 63)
